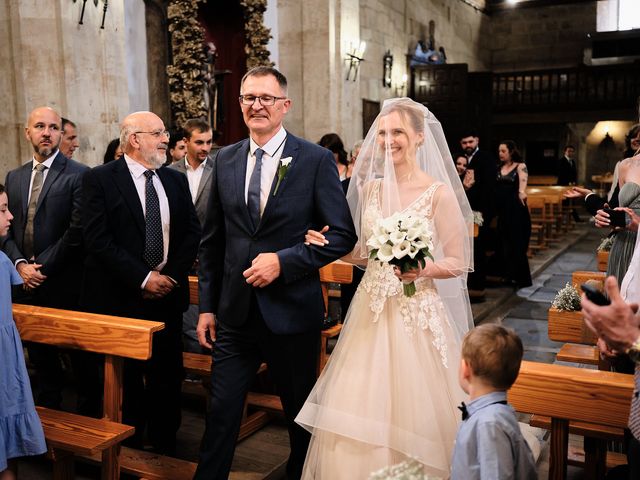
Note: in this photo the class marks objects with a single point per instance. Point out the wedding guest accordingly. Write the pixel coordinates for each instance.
(480, 195)
(69, 141)
(21, 433)
(514, 222)
(333, 143)
(352, 160)
(618, 326)
(177, 148)
(489, 443)
(113, 152)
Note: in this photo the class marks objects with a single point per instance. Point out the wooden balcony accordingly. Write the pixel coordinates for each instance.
(568, 89)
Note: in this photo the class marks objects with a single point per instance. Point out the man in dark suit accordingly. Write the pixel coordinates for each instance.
(197, 166)
(567, 172)
(142, 234)
(260, 296)
(45, 237)
(481, 198)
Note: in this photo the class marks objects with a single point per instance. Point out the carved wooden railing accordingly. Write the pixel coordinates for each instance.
(579, 88)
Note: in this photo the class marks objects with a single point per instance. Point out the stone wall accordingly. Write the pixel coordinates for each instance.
(541, 37)
(79, 70)
(316, 35)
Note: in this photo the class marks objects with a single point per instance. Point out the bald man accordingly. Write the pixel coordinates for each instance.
(142, 235)
(45, 237)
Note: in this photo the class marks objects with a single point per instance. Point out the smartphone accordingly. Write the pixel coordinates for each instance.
(617, 218)
(594, 295)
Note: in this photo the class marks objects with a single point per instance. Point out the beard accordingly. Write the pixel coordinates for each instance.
(469, 150)
(45, 151)
(157, 159)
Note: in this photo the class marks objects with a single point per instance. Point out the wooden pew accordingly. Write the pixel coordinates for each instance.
(568, 394)
(114, 337)
(603, 261)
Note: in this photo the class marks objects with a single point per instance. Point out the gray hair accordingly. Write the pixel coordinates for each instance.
(125, 133)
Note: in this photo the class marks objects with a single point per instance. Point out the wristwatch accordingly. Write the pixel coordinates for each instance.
(634, 351)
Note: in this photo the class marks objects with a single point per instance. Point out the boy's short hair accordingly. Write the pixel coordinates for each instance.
(493, 353)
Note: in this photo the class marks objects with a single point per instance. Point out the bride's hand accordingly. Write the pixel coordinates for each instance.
(313, 237)
(408, 276)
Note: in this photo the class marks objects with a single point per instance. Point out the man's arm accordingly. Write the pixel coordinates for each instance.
(55, 256)
(212, 249)
(99, 239)
(330, 209)
(185, 252)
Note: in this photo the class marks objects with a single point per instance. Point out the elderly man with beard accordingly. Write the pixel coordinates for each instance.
(45, 241)
(142, 234)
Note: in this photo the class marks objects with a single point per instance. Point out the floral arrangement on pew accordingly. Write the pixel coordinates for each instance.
(408, 470)
(567, 299)
(401, 240)
(605, 244)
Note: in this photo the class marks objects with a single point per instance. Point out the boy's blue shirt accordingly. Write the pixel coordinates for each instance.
(489, 444)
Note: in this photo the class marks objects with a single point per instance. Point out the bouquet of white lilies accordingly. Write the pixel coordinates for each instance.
(401, 240)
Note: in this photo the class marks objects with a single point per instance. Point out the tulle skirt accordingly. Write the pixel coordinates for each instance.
(384, 396)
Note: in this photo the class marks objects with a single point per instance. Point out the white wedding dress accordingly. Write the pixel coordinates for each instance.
(390, 389)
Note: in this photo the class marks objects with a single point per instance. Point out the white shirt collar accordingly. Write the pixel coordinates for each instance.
(272, 146)
(136, 168)
(199, 167)
(47, 163)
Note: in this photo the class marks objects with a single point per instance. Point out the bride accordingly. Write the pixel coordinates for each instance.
(390, 389)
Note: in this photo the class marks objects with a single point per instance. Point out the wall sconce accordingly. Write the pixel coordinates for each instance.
(402, 88)
(354, 57)
(95, 3)
(387, 64)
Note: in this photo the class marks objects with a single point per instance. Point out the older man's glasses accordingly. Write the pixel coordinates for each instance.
(265, 100)
(157, 133)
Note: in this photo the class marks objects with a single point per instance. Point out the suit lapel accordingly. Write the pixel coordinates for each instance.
(25, 181)
(290, 150)
(124, 183)
(240, 172)
(205, 177)
(58, 165)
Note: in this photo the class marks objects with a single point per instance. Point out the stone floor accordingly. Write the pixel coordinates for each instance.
(524, 311)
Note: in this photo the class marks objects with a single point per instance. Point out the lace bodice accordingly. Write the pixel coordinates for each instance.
(424, 310)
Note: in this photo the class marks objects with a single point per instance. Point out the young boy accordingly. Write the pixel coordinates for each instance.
(489, 444)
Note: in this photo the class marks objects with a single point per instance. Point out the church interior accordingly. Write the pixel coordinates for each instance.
(545, 74)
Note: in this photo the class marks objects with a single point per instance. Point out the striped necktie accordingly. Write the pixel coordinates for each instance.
(36, 188)
(634, 414)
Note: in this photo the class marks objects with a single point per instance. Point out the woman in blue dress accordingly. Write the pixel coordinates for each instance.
(20, 428)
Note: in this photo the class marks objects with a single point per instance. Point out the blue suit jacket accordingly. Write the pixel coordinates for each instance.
(57, 230)
(310, 196)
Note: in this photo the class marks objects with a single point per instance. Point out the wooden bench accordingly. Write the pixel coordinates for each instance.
(603, 260)
(114, 337)
(568, 394)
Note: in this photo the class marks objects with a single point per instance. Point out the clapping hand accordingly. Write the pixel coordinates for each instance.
(576, 192)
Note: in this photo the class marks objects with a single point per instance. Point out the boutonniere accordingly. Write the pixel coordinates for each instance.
(285, 163)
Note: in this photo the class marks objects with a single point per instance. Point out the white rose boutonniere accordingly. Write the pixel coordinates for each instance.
(282, 171)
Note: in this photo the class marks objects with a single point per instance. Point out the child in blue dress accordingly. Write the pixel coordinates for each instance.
(20, 428)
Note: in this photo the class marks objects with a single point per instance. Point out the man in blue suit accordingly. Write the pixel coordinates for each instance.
(260, 296)
(45, 244)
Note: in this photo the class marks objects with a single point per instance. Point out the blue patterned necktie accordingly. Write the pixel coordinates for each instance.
(153, 241)
(253, 193)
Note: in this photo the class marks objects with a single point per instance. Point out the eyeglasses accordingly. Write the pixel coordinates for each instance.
(157, 133)
(265, 100)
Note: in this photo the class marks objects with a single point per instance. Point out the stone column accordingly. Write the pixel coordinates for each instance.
(313, 37)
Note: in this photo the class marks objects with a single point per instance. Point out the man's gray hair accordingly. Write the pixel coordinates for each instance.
(125, 133)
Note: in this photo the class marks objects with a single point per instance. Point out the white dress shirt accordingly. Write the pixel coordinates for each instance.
(139, 180)
(194, 176)
(47, 163)
(270, 163)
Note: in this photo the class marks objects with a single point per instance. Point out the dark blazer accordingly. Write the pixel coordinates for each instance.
(114, 230)
(57, 231)
(310, 196)
(481, 194)
(567, 172)
(202, 196)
